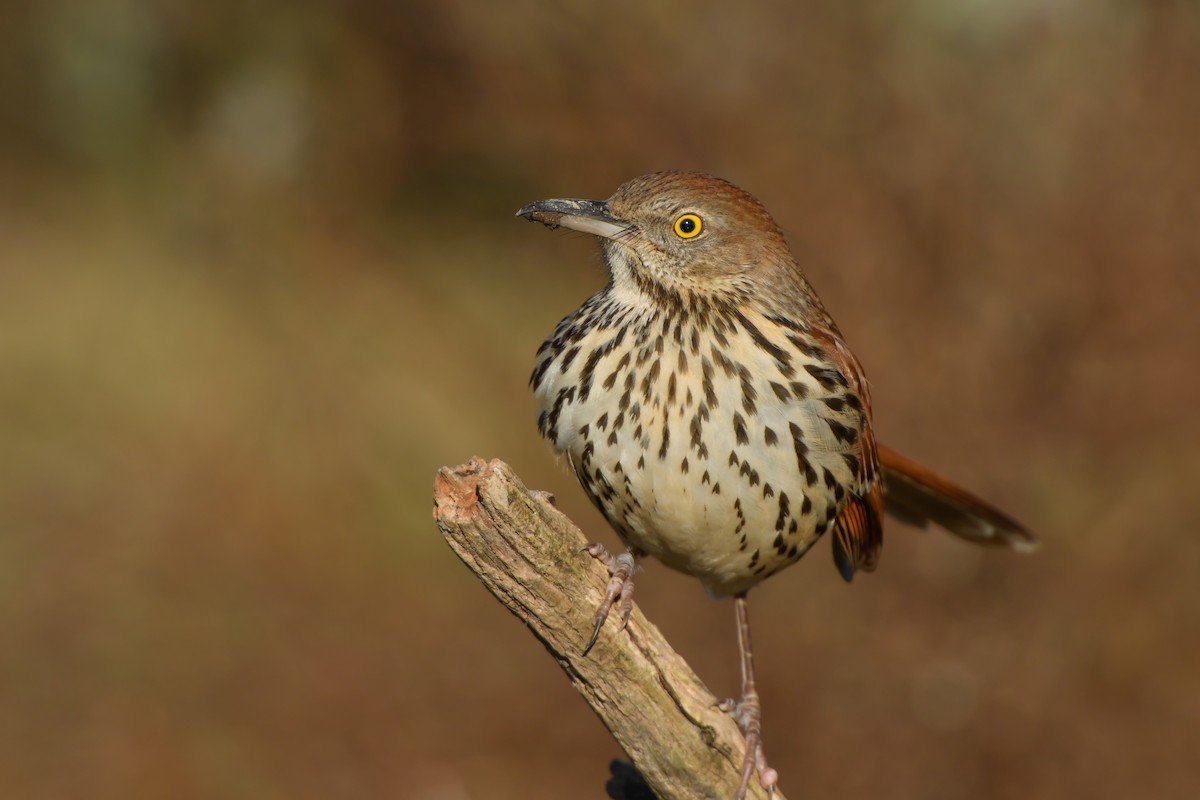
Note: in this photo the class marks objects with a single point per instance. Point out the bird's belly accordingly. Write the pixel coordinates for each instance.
(697, 467)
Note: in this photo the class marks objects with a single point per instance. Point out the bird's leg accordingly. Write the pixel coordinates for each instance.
(620, 587)
(747, 712)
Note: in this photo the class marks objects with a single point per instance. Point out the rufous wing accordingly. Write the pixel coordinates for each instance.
(858, 534)
(858, 529)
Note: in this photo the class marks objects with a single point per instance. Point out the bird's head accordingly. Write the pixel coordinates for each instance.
(688, 234)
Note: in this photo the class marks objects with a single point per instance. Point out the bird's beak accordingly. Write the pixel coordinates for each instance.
(588, 216)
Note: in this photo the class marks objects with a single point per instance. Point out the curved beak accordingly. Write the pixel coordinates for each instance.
(588, 216)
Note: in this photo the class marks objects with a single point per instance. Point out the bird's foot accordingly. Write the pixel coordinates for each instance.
(747, 713)
(620, 587)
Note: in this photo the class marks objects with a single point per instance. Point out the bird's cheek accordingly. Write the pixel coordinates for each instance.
(622, 260)
(712, 267)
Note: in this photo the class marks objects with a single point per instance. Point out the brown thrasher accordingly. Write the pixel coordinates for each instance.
(713, 412)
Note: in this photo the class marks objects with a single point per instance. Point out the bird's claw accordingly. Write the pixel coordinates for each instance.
(620, 588)
(747, 713)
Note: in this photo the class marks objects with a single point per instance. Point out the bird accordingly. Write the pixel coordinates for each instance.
(715, 415)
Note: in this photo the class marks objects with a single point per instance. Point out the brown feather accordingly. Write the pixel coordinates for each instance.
(858, 534)
(919, 496)
(858, 530)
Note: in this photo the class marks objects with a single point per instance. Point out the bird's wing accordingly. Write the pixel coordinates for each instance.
(858, 529)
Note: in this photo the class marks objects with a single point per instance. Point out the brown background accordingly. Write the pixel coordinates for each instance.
(260, 278)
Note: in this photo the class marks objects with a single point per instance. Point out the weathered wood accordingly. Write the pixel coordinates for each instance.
(528, 554)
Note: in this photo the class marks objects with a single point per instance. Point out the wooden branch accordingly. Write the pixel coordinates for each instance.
(528, 554)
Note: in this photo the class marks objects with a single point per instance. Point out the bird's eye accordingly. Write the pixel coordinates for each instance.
(688, 226)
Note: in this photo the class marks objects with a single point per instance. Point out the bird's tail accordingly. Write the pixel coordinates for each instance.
(919, 496)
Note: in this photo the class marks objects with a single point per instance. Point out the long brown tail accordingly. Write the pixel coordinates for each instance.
(919, 496)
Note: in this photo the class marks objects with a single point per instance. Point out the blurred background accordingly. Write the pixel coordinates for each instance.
(259, 279)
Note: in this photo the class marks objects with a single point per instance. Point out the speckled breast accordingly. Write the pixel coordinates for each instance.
(716, 441)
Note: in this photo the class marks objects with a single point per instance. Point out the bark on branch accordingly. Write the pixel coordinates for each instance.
(527, 554)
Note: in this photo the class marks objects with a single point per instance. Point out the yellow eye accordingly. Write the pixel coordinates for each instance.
(688, 226)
